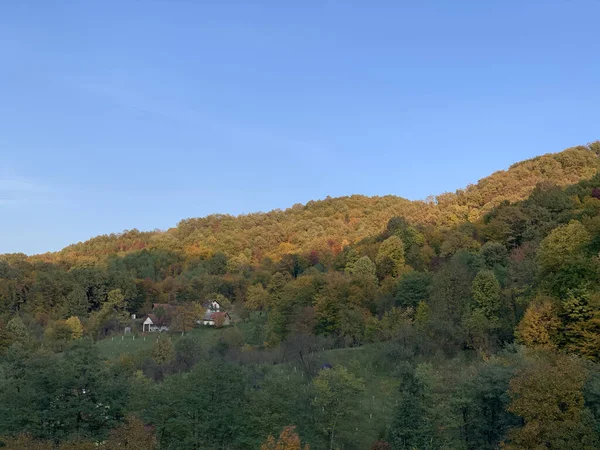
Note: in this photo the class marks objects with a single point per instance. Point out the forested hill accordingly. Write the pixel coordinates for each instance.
(353, 323)
(327, 226)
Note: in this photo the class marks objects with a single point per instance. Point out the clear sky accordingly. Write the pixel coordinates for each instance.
(136, 114)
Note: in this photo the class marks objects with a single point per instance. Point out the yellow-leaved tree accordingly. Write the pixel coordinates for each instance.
(539, 326)
(74, 324)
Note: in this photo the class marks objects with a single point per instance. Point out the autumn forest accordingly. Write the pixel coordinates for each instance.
(469, 320)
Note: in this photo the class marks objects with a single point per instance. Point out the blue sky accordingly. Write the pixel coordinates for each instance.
(136, 114)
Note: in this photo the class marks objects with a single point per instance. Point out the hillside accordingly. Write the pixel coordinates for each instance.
(328, 225)
(408, 327)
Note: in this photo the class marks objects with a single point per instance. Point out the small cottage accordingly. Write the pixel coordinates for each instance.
(220, 318)
(214, 315)
(153, 323)
(212, 305)
(159, 319)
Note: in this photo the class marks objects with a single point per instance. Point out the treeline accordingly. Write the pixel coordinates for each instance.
(517, 399)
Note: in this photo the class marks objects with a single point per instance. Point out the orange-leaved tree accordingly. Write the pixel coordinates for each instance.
(288, 440)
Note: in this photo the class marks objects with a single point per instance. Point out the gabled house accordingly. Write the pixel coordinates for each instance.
(153, 323)
(216, 318)
(214, 315)
(159, 319)
(212, 305)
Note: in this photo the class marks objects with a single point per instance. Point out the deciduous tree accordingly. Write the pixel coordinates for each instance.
(336, 391)
(288, 440)
(17, 328)
(547, 395)
(539, 326)
(486, 293)
(163, 350)
(392, 249)
(75, 325)
(132, 435)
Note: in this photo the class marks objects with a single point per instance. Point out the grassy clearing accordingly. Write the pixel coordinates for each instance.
(114, 347)
(375, 403)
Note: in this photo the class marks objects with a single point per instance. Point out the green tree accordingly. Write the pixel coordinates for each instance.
(113, 313)
(336, 391)
(413, 288)
(562, 259)
(364, 267)
(486, 293)
(456, 241)
(351, 258)
(18, 329)
(422, 314)
(483, 394)
(72, 395)
(411, 428)
(77, 302)
(327, 314)
(391, 251)
(206, 408)
(58, 334)
(163, 351)
(450, 300)
(547, 395)
(188, 350)
(493, 254)
(116, 305)
(257, 298)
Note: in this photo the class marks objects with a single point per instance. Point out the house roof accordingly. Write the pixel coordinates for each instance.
(157, 320)
(214, 315)
(209, 303)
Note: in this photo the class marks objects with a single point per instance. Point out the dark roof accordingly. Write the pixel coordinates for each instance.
(153, 318)
(158, 321)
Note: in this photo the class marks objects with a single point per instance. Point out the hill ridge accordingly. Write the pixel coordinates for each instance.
(333, 222)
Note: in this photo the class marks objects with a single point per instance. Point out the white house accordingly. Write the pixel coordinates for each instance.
(152, 323)
(214, 314)
(212, 306)
(211, 318)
